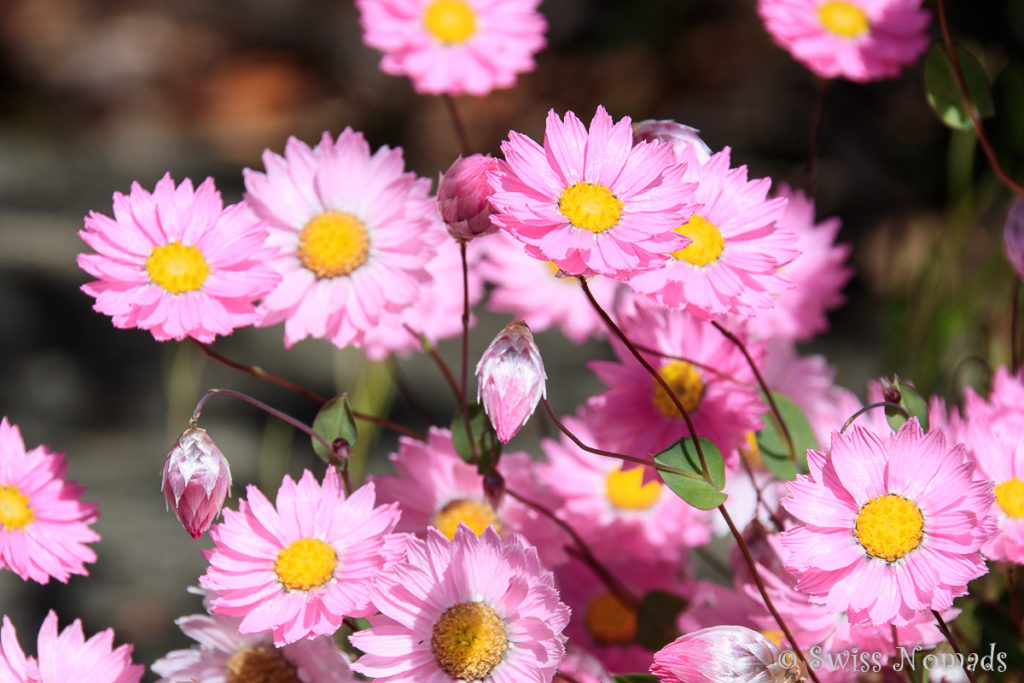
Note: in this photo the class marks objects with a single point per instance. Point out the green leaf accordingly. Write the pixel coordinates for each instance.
(635, 678)
(334, 422)
(912, 401)
(656, 619)
(693, 488)
(484, 449)
(772, 442)
(944, 94)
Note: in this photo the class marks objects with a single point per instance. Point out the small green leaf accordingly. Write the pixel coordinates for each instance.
(635, 678)
(656, 619)
(484, 450)
(944, 94)
(699, 493)
(912, 401)
(335, 421)
(772, 442)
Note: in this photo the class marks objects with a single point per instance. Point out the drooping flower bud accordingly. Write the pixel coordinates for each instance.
(462, 197)
(511, 379)
(195, 480)
(1013, 236)
(675, 134)
(725, 654)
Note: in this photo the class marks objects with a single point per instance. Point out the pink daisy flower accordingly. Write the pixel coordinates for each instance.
(475, 608)
(591, 201)
(176, 262)
(352, 236)
(862, 40)
(714, 383)
(454, 46)
(299, 567)
(224, 655)
(66, 656)
(731, 264)
(44, 525)
(891, 526)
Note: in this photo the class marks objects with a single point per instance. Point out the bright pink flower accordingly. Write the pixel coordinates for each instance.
(891, 526)
(592, 201)
(300, 567)
(1013, 236)
(511, 379)
(222, 652)
(176, 262)
(454, 46)
(44, 525)
(493, 593)
(352, 235)
(66, 657)
(195, 480)
(463, 197)
(862, 40)
(723, 654)
(731, 265)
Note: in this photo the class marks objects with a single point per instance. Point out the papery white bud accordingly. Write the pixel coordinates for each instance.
(195, 481)
(511, 379)
(672, 133)
(725, 654)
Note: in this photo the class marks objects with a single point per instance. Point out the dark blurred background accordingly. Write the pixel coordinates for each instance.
(95, 94)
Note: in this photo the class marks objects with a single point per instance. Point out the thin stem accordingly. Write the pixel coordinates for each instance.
(1012, 574)
(945, 629)
(460, 398)
(896, 651)
(617, 331)
(814, 137)
(972, 111)
(879, 404)
(1014, 323)
(566, 677)
(764, 593)
(460, 131)
(694, 363)
(764, 387)
(465, 320)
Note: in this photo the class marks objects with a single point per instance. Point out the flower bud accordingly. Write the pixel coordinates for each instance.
(463, 197)
(510, 379)
(675, 134)
(1013, 236)
(195, 480)
(725, 654)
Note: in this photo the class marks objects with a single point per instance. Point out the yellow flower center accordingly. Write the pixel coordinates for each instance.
(774, 635)
(305, 564)
(707, 242)
(844, 19)
(15, 512)
(611, 620)
(333, 244)
(889, 527)
(751, 452)
(626, 489)
(450, 21)
(1009, 495)
(590, 206)
(260, 664)
(177, 268)
(468, 641)
(476, 514)
(685, 382)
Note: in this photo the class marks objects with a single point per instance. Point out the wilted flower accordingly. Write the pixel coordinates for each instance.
(463, 197)
(1013, 236)
(195, 480)
(725, 654)
(511, 378)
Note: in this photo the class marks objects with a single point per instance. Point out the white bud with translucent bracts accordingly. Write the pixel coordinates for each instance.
(511, 379)
(195, 481)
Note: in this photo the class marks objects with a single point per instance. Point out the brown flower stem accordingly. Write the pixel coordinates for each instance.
(879, 404)
(1012, 585)
(896, 650)
(972, 111)
(465, 320)
(617, 331)
(460, 131)
(612, 454)
(814, 136)
(1014, 324)
(764, 593)
(764, 388)
(945, 629)
(566, 677)
(694, 363)
(460, 397)
(613, 585)
(260, 373)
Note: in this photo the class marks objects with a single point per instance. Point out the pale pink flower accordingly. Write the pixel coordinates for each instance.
(66, 657)
(44, 525)
(862, 40)
(463, 197)
(891, 526)
(731, 264)
(676, 134)
(195, 480)
(1013, 236)
(511, 379)
(583, 667)
(590, 200)
(352, 235)
(176, 263)
(493, 592)
(454, 46)
(723, 654)
(298, 568)
(222, 653)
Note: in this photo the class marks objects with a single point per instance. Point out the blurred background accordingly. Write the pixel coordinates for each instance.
(96, 94)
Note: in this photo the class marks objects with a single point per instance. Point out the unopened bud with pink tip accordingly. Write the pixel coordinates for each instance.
(1013, 236)
(676, 134)
(463, 197)
(196, 478)
(725, 654)
(511, 379)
